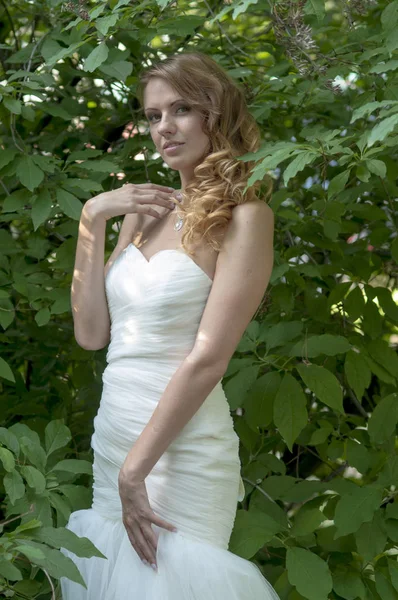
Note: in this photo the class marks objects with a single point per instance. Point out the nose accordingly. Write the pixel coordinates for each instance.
(166, 125)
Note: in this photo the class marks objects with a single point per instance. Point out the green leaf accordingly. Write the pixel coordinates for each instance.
(57, 435)
(309, 573)
(9, 570)
(17, 200)
(382, 129)
(371, 537)
(32, 524)
(306, 521)
(57, 564)
(276, 486)
(42, 510)
(7, 458)
(119, 69)
(316, 345)
(32, 553)
(61, 537)
(33, 452)
(356, 508)
(5, 371)
(69, 204)
(96, 57)
(338, 183)
(30, 175)
(378, 167)
(298, 164)
(324, 384)
(104, 23)
(281, 333)
(6, 156)
(357, 372)
(382, 353)
(252, 529)
(259, 402)
(315, 7)
(13, 105)
(393, 569)
(348, 584)
(383, 420)
(389, 473)
(239, 385)
(384, 586)
(41, 208)
(34, 478)
(103, 166)
(7, 438)
(14, 486)
(86, 185)
(357, 456)
(73, 465)
(42, 316)
(290, 411)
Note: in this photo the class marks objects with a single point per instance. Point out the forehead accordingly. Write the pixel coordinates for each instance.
(159, 93)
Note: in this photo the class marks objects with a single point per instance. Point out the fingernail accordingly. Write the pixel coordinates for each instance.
(174, 530)
(145, 561)
(153, 566)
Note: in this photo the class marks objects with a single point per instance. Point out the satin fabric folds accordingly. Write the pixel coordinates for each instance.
(155, 308)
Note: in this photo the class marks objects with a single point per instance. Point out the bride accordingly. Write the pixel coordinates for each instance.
(166, 463)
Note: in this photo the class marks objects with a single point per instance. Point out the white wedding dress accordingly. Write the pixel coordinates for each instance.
(155, 308)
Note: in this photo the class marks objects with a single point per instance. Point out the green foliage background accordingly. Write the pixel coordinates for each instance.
(313, 383)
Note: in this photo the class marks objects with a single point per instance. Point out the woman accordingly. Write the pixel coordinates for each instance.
(166, 454)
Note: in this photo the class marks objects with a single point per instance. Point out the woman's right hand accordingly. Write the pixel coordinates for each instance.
(132, 198)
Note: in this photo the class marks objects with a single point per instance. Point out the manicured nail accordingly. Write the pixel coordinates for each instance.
(145, 561)
(174, 530)
(154, 566)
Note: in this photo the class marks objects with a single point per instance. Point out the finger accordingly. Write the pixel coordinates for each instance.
(150, 536)
(134, 544)
(158, 521)
(148, 551)
(161, 198)
(155, 186)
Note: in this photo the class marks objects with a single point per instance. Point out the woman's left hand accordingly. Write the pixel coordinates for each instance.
(138, 517)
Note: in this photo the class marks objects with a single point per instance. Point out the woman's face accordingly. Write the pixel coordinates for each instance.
(170, 118)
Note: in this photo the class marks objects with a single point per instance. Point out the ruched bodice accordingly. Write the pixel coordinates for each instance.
(156, 306)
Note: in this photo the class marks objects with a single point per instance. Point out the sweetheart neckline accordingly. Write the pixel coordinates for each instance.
(171, 250)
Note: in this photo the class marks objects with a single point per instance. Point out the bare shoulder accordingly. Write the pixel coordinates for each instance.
(253, 220)
(133, 225)
(254, 208)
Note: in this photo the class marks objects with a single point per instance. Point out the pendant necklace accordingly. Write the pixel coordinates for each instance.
(178, 224)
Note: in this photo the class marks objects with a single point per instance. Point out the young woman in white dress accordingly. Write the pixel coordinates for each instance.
(166, 455)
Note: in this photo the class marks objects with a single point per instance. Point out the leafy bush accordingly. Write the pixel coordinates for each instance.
(39, 488)
(313, 383)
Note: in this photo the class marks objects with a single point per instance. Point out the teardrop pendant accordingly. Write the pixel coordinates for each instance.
(178, 224)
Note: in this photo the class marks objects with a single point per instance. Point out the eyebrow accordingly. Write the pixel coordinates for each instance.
(171, 104)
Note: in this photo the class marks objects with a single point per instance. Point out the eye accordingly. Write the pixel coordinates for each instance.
(150, 117)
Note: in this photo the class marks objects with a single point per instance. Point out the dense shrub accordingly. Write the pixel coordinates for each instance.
(313, 383)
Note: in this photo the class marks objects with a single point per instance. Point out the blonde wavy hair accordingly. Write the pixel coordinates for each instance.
(219, 180)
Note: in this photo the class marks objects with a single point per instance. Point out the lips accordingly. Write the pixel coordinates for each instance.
(170, 144)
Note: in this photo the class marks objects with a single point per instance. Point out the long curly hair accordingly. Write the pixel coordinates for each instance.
(219, 180)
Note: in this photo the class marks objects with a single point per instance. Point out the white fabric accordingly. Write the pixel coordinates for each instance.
(155, 308)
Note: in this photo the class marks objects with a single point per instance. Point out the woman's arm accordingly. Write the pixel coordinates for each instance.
(89, 304)
(244, 267)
